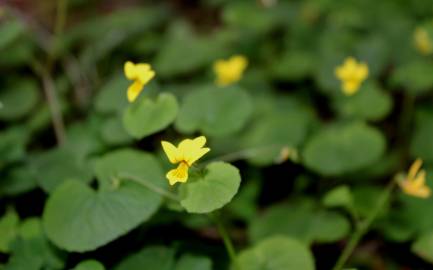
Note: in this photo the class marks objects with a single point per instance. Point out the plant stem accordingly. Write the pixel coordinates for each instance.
(227, 241)
(150, 186)
(363, 227)
(54, 106)
(61, 14)
(244, 153)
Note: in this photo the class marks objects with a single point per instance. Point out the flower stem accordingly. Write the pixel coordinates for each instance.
(226, 239)
(362, 229)
(149, 185)
(244, 153)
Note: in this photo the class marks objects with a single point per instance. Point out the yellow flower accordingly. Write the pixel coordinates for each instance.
(414, 182)
(351, 74)
(231, 70)
(141, 74)
(186, 153)
(422, 41)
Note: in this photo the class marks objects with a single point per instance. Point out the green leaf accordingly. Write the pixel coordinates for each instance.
(113, 132)
(157, 257)
(12, 144)
(191, 262)
(32, 251)
(111, 97)
(422, 144)
(8, 230)
(274, 131)
(253, 18)
(277, 253)
(244, 205)
(145, 116)
(370, 103)
(89, 265)
(293, 65)
(118, 202)
(302, 221)
(336, 150)
(184, 51)
(10, 30)
(423, 247)
(212, 190)
(18, 99)
(339, 197)
(68, 166)
(214, 111)
(414, 76)
(18, 180)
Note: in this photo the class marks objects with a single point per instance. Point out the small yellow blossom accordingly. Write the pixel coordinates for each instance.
(422, 41)
(186, 153)
(351, 74)
(140, 74)
(414, 183)
(231, 70)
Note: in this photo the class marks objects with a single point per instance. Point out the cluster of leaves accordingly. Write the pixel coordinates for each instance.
(312, 160)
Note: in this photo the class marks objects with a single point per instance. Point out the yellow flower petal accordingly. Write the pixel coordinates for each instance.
(172, 152)
(192, 149)
(129, 69)
(419, 180)
(144, 73)
(180, 174)
(351, 74)
(414, 168)
(231, 70)
(350, 87)
(134, 90)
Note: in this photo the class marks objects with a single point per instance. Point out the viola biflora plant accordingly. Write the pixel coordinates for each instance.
(216, 135)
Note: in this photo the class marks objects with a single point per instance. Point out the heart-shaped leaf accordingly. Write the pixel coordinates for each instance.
(370, 103)
(18, 99)
(89, 265)
(79, 218)
(214, 111)
(145, 116)
(344, 148)
(211, 191)
(68, 166)
(277, 253)
(301, 220)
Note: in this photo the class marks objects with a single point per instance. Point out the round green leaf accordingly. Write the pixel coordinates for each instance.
(415, 77)
(18, 99)
(270, 133)
(18, 180)
(422, 143)
(78, 218)
(212, 190)
(277, 253)
(340, 196)
(214, 111)
(53, 167)
(10, 30)
(113, 132)
(190, 262)
(112, 96)
(423, 247)
(341, 149)
(145, 116)
(8, 229)
(184, 51)
(157, 257)
(301, 220)
(369, 103)
(89, 265)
